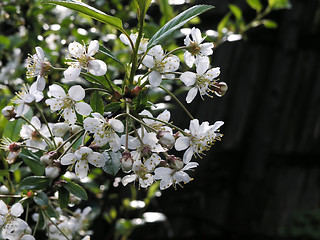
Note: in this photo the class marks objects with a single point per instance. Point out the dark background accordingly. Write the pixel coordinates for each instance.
(262, 180)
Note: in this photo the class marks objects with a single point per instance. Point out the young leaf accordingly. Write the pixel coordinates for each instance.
(236, 11)
(279, 4)
(255, 4)
(41, 199)
(176, 23)
(106, 51)
(113, 164)
(269, 23)
(113, 107)
(96, 103)
(89, 11)
(35, 165)
(34, 182)
(14, 167)
(76, 190)
(63, 198)
(143, 5)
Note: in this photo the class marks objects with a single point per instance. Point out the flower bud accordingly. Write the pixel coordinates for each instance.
(146, 151)
(166, 138)
(46, 159)
(60, 129)
(175, 162)
(126, 162)
(9, 113)
(52, 171)
(135, 92)
(4, 190)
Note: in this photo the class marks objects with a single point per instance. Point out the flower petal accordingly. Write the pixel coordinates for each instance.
(81, 168)
(73, 71)
(68, 159)
(182, 143)
(188, 78)
(16, 209)
(155, 78)
(57, 91)
(76, 93)
(97, 159)
(191, 94)
(83, 108)
(93, 48)
(97, 67)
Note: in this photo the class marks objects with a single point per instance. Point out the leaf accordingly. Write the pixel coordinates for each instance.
(255, 4)
(222, 24)
(269, 23)
(89, 11)
(41, 199)
(279, 4)
(14, 167)
(34, 164)
(76, 190)
(63, 197)
(34, 182)
(113, 107)
(236, 11)
(141, 101)
(96, 103)
(106, 51)
(143, 5)
(176, 23)
(113, 164)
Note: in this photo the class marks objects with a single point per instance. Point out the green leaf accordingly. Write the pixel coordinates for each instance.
(143, 5)
(106, 51)
(41, 199)
(279, 4)
(34, 164)
(96, 103)
(141, 101)
(89, 11)
(269, 23)
(76, 190)
(255, 4)
(52, 212)
(63, 198)
(236, 11)
(34, 182)
(113, 107)
(176, 23)
(113, 164)
(223, 23)
(14, 167)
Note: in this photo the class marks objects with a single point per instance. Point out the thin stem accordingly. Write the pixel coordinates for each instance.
(109, 84)
(47, 124)
(177, 100)
(10, 196)
(84, 137)
(27, 213)
(127, 127)
(36, 227)
(95, 79)
(98, 89)
(66, 141)
(46, 214)
(174, 50)
(257, 18)
(141, 122)
(166, 123)
(73, 142)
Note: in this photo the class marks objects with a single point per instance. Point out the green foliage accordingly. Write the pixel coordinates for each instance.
(279, 4)
(41, 199)
(113, 164)
(76, 190)
(34, 183)
(255, 4)
(63, 197)
(176, 23)
(96, 103)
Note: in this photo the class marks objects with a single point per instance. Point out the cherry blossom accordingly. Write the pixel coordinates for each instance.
(83, 58)
(69, 103)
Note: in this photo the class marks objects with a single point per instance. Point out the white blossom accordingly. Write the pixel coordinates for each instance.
(196, 48)
(133, 36)
(69, 103)
(25, 97)
(81, 158)
(201, 81)
(158, 64)
(105, 130)
(200, 139)
(83, 58)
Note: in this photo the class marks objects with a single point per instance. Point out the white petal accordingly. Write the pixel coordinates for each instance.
(147, 181)
(202, 65)
(206, 48)
(84, 150)
(152, 162)
(164, 116)
(182, 143)
(81, 168)
(196, 35)
(27, 237)
(97, 159)
(213, 73)
(191, 94)
(182, 177)
(91, 124)
(3, 208)
(69, 115)
(57, 91)
(35, 121)
(124, 39)
(194, 126)
(54, 103)
(190, 165)
(93, 48)
(40, 53)
(114, 142)
(117, 125)
(155, 78)
(189, 59)
(148, 61)
(16, 209)
(188, 78)
(68, 159)
(83, 108)
(76, 93)
(76, 49)
(128, 179)
(187, 156)
(97, 67)
(158, 52)
(73, 71)
(41, 83)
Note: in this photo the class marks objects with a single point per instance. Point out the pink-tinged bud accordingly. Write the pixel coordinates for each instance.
(166, 138)
(30, 193)
(126, 162)
(9, 113)
(135, 92)
(52, 171)
(175, 162)
(14, 150)
(146, 151)
(116, 96)
(220, 88)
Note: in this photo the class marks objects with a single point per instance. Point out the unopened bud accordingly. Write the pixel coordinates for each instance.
(9, 113)
(4, 190)
(116, 96)
(166, 138)
(52, 171)
(126, 162)
(175, 162)
(135, 92)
